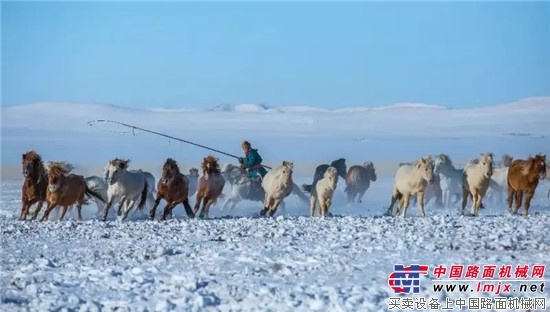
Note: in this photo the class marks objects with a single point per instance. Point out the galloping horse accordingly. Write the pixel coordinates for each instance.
(339, 164)
(523, 177)
(35, 184)
(475, 181)
(277, 185)
(411, 181)
(173, 187)
(210, 185)
(65, 190)
(450, 179)
(358, 180)
(323, 192)
(125, 186)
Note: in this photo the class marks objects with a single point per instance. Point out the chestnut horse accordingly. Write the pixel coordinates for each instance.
(173, 187)
(210, 185)
(65, 190)
(35, 184)
(523, 177)
(358, 180)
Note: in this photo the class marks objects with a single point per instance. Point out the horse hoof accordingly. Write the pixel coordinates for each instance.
(262, 212)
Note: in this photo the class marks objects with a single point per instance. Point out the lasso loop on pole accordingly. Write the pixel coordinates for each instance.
(133, 128)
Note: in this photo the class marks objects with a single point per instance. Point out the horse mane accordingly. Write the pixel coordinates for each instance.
(65, 166)
(425, 159)
(527, 164)
(120, 163)
(331, 172)
(368, 164)
(36, 160)
(58, 168)
(171, 162)
(214, 166)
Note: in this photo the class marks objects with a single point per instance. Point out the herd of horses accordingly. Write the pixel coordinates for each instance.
(54, 184)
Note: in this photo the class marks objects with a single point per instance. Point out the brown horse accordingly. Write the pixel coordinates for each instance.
(35, 184)
(210, 185)
(173, 187)
(523, 177)
(65, 190)
(358, 180)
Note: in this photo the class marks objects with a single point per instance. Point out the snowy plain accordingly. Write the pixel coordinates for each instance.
(237, 261)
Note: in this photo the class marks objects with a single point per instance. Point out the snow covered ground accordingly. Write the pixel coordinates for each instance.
(245, 263)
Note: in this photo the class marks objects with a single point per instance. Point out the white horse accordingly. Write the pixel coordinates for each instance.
(243, 187)
(125, 186)
(450, 179)
(323, 191)
(475, 181)
(411, 181)
(277, 185)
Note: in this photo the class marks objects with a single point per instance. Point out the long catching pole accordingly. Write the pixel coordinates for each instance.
(90, 123)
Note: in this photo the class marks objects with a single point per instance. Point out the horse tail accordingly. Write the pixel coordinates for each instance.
(91, 193)
(143, 199)
(307, 187)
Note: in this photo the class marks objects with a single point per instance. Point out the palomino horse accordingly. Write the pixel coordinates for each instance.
(277, 185)
(339, 164)
(210, 185)
(65, 190)
(323, 191)
(450, 179)
(35, 184)
(411, 181)
(358, 180)
(173, 187)
(432, 190)
(243, 187)
(125, 186)
(475, 181)
(523, 178)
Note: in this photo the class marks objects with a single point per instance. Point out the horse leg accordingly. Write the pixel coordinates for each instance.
(327, 205)
(153, 210)
(267, 205)
(207, 207)
(63, 213)
(527, 204)
(36, 210)
(167, 211)
(24, 209)
(420, 202)
(404, 206)
(510, 199)
(197, 204)
(79, 208)
(276, 203)
(129, 206)
(47, 212)
(465, 195)
(120, 204)
(188, 209)
(395, 196)
(203, 209)
(312, 203)
(107, 207)
(519, 200)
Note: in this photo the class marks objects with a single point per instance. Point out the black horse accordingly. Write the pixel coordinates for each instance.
(339, 164)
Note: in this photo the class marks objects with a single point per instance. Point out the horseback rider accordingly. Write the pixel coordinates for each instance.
(252, 161)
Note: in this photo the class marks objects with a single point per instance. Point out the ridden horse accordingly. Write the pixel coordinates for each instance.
(523, 178)
(475, 181)
(277, 185)
(323, 192)
(34, 185)
(411, 181)
(65, 190)
(173, 187)
(339, 164)
(450, 179)
(358, 180)
(125, 186)
(210, 185)
(243, 187)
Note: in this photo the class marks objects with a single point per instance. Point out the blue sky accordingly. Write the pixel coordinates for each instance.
(326, 54)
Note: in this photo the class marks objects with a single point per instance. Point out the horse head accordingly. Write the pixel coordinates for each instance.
(115, 169)
(331, 173)
(370, 170)
(286, 172)
(169, 170)
(194, 172)
(210, 165)
(340, 165)
(486, 163)
(56, 172)
(507, 160)
(540, 166)
(441, 161)
(425, 168)
(31, 164)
